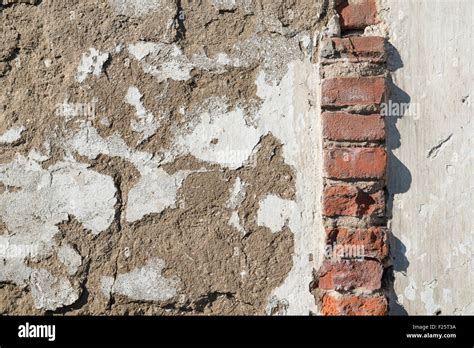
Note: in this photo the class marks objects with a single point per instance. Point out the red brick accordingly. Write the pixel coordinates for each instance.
(357, 14)
(350, 275)
(356, 49)
(354, 305)
(349, 200)
(355, 162)
(373, 240)
(342, 126)
(347, 91)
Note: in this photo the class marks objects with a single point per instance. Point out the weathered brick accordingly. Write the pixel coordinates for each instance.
(355, 162)
(355, 49)
(373, 240)
(349, 200)
(357, 14)
(348, 91)
(350, 275)
(354, 305)
(342, 126)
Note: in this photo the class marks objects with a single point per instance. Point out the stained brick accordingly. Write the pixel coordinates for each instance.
(357, 14)
(351, 275)
(348, 91)
(342, 126)
(355, 162)
(354, 305)
(355, 49)
(349, 200)
(373, 240)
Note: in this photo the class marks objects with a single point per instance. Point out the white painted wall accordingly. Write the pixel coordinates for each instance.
(431, 167)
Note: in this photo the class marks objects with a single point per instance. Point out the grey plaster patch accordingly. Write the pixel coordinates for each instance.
(50, 292)
(145, 283)
(144, 122)
(12, 135)
(70, 258)
(91, 62)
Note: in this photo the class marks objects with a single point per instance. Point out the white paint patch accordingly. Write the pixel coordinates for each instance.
(222, 138)
(146, 283)
(139, 8)
(410, 291)
(234, 221)
(167, 61)
(13, 269)
(164, 62)
(91, 62)
(145, 122)
(237, 194)
(106, 284)
(43, 199)
(427, 297)
(275, 212)
(12, 135)
(47, 197)
(50, 292)
(290, 112)
(70, 258)
(154, 191)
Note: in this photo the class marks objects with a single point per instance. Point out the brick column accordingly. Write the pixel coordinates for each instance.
(355, 161)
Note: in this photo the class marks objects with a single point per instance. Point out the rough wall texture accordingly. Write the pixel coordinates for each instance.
(170, 157)
(159, 157)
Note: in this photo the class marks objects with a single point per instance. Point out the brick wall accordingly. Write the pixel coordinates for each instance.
(355, 162)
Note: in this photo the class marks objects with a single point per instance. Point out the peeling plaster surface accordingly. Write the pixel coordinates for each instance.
(155, 189)
(46, 197)
(432, 163)
(290, 117)
(168, 160)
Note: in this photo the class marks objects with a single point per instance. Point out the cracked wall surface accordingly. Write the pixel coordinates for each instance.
(159, 157)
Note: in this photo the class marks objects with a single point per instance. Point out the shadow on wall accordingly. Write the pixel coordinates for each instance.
(399, 177)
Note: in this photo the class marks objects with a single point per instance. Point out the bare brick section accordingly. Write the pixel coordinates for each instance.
(349, 91)
(342, 126)
(349, 200)
(350, 275)
(357, 14)
(355, 49)
(355, 163)
(354, 305)
(372, 239)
